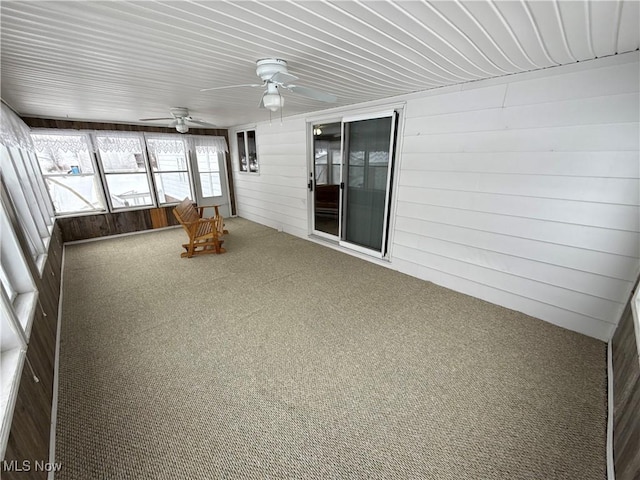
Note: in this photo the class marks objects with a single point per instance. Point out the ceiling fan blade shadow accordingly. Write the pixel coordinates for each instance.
(233, 86)
(153, 119)
(312, 93)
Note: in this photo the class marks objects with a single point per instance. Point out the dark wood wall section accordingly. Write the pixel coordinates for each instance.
(626, 391)
(85, 227)
(74, 125)
(29, 435)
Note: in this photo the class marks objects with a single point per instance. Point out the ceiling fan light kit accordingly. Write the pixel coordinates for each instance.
(181, 126)
(273, 101)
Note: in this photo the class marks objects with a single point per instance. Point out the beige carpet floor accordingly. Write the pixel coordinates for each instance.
(284, 359)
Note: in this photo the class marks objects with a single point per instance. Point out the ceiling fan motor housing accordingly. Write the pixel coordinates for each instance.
(178, 112)
(268, 67)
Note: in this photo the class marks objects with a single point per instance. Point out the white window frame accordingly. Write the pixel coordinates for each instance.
(95, 174)
(104, 174)
(40, 188)
(24, 202)
(245, 135)
(187, 169)
(16, 320)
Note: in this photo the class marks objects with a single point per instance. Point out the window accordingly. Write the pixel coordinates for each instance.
(16, 279)
(209, 171)
(32, 171)
(101, 171)
(22, 196)
(68, 167)
(125, 170)
(18, 297)
(168, 158)
(247, 153)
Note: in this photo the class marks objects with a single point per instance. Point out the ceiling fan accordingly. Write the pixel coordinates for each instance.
(275, 77)
(180, 119)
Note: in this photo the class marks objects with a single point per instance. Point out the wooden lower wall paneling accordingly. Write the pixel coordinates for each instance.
(158, 217)
(30, 427)
(626, 391)
(104, 224)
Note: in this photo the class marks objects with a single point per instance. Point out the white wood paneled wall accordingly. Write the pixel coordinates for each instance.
(277, 196)
(526, 194)
(523, 191)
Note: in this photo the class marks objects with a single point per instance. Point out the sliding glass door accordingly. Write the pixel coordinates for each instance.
(325, 178)
(363, 173)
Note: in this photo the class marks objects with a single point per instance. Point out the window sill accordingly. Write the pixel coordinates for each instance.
(11, 363)
(24, 307)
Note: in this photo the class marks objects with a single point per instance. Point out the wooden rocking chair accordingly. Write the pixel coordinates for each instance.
(205, 234)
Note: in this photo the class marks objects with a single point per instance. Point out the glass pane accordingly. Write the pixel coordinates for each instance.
(210, 182)
(242, 154)
(168, 162)
(326, 139)
(321, 161)
(56, 162)
(129, 190)
(208, 162)
(114, 162)
(75, 193)
(368, 162)
(253, 155)
(173, 187)
(6, 286)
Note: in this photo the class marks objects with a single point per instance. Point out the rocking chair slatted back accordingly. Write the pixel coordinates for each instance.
(205, 234)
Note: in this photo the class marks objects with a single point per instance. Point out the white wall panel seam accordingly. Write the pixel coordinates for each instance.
(624, 219)
(524, 174)
(507, 128)
(635, 258)
(568, 253)
(404, 184)
(556, 316)
(620, 301)
(504, 289)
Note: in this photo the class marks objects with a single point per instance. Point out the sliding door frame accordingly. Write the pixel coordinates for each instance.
(345, 191)
(396, 112)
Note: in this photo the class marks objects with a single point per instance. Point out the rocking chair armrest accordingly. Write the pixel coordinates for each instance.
(202, 207)
(193, 226)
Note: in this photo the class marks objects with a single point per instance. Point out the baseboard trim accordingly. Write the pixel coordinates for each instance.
(56, 364)
(611, 474)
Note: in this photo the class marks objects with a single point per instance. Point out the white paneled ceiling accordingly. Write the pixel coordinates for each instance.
(119, 61)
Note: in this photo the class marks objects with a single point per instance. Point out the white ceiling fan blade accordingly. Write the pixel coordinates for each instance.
(173, 124)
(153, 119)
(283, 77)
(261, 102)
(233, 86)
(200, 122)
(312, 93)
